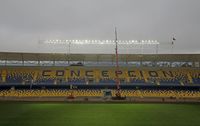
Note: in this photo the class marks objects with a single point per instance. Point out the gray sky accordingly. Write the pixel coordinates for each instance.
(23, 22)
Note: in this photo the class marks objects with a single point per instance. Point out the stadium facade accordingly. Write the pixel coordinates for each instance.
(146, 75)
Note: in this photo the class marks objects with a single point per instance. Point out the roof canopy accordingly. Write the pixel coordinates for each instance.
(13, 56)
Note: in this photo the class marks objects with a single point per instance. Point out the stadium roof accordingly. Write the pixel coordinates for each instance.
(13, 56)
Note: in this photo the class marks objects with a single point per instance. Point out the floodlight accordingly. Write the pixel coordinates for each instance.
(127, 42)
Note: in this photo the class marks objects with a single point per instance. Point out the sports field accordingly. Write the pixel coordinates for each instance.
(62, 114)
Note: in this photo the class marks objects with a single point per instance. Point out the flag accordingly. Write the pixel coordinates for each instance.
(173, 39)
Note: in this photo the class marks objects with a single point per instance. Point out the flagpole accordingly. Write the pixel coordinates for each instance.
(172, 46)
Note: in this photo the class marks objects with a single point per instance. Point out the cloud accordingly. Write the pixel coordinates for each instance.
(24, 22)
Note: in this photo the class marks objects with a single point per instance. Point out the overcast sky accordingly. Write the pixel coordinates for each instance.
(24, 22)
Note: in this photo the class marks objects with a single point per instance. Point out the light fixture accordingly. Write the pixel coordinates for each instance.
(126, 42)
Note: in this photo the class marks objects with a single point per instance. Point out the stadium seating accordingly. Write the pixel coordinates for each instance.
(137, 81)
(107, 81)
(0, 77)
(99, 93)
(19, 77)
(61, 75)
(195, 77)
(76, 80)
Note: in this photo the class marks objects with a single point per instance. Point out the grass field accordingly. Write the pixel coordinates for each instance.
(61, 114)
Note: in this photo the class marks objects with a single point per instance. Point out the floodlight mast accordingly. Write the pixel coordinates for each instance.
(117, 65)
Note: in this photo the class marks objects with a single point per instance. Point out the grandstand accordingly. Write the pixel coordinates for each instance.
(99, 75)
(89, 75)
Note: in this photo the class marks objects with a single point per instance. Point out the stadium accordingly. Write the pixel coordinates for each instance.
(111, 63)
(158, 77)
(44, 79)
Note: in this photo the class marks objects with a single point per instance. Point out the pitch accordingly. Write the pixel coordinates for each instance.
(62, 114)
